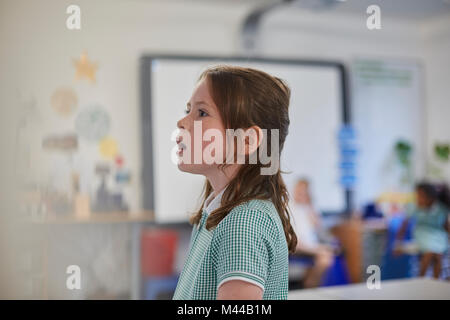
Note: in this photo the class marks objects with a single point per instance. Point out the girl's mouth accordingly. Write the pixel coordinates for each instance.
(181, 147)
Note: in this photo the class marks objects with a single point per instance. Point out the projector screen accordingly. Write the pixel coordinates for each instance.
(310, 151)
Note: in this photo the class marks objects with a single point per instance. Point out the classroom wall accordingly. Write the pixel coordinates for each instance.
(436, 42)
(180, 28)
(37, 51)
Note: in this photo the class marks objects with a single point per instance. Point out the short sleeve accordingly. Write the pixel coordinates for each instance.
(410, 210)
(244, 246)
(191, 238)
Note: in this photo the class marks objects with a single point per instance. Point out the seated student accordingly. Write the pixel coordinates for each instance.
(430, 234)
(307, 225)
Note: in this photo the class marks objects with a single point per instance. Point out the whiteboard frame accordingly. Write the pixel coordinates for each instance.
(146, 111)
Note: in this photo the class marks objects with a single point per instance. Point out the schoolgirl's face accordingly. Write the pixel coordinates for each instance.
(301, 193)
(422, 199)
(202, 115)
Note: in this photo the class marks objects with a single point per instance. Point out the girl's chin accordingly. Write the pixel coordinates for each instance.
(193, 168)
(190, 168)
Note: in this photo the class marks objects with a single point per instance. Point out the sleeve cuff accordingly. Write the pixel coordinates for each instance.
(241, 275)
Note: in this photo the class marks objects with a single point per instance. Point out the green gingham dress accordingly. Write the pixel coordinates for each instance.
(249, 244)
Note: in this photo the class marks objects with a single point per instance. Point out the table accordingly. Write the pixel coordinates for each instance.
(407, 289)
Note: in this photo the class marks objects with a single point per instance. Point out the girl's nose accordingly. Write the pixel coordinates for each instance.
(180, 123)
(183, 123)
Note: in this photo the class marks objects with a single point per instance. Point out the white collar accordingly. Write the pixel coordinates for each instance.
(212, 204)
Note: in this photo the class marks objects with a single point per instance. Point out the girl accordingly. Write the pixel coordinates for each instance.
(313, 240)
(242, 234)
(431, 225)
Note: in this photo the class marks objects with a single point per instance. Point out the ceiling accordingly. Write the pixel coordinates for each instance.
(419, 10)
(402, 9)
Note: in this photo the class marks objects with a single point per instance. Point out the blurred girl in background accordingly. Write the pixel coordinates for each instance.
(430, 234)
(312, 238)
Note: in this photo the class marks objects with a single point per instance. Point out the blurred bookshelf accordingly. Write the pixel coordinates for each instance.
(39, 280)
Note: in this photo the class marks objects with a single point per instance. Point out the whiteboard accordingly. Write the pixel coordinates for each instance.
(311, 147)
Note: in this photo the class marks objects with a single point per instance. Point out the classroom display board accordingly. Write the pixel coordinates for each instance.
(310, 151)
(387, 110)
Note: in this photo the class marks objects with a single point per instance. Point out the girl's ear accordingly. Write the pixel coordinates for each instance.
(253, 139)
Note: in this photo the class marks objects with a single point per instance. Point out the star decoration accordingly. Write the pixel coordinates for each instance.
(85, 68)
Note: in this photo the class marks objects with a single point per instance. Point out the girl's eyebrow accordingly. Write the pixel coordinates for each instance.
(198, 103)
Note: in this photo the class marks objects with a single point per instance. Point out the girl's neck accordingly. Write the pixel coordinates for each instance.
(219, 179)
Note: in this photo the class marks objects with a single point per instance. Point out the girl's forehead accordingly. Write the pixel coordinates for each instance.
(201, 93)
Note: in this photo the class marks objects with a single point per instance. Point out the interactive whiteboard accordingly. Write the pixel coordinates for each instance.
(311, 149)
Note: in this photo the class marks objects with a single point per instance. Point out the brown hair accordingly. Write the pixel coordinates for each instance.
(246, 97)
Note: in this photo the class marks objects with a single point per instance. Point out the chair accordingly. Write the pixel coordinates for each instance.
(160, 287)
(395, 267)
(337, 274)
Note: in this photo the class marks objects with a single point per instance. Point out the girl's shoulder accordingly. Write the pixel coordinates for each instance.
(252, 214)
(264, 207)
(253, 219)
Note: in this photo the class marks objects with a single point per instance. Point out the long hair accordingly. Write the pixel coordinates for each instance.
(436, 192)
(246, 97)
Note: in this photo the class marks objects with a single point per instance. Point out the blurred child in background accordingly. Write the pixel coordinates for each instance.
(430, 234)
(310, 234)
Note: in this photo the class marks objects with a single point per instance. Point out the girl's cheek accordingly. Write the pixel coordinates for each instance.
(218, 149)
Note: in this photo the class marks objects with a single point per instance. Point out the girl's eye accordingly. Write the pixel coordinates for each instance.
(200, 112)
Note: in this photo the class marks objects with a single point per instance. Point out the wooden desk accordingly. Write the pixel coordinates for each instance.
(401, 289)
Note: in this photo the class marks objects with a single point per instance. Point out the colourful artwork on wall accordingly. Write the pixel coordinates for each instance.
(93, 123)
(64, 143)
(64, 101)
(108, 148)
